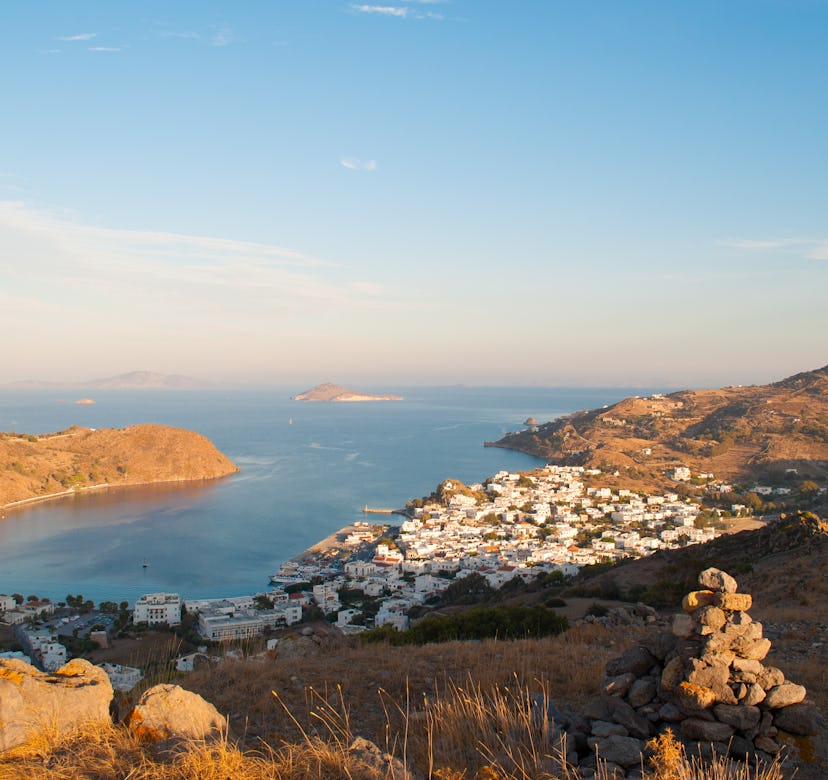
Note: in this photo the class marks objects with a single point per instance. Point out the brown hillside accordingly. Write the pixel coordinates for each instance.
(37, 467)
(736, 433)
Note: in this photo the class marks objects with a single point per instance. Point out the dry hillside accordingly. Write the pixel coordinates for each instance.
(34, 467)
(735, 433)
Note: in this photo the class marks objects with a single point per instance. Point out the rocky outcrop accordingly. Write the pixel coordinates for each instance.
(34, 704)
(704, 679)
(169, 712)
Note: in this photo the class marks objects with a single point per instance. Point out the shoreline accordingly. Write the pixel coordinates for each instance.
(23, 503)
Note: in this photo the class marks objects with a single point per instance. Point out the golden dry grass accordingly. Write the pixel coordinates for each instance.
(461, 711)
(570, 666)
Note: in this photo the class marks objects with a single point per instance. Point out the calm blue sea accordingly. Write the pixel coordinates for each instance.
(307, 469)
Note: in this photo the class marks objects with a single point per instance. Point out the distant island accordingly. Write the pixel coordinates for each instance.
(34, 468)
(335, 393)
(731, 434)
(130, 380)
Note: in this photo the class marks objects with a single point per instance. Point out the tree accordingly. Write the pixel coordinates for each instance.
(18, 598)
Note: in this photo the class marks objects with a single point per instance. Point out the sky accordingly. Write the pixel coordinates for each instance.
(413, 192)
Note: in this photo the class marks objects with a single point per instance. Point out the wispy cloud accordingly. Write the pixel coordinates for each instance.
(78, 37)
(810, 248)
(355, 164)
(105, 48)
(53, 253)
(385, 10)
(399, 11)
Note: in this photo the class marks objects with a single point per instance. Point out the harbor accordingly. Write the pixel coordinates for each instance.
(328, 557)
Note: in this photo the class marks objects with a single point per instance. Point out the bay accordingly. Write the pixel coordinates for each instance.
(307, 469)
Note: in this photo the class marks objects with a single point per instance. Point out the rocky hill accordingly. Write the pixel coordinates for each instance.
(37, 467)
(735, 433)
(331, 392)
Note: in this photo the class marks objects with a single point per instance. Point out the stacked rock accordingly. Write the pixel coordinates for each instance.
(705, 680)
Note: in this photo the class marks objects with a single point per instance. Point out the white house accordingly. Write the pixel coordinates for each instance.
(52, 656)
(154, 608)
(123, 678)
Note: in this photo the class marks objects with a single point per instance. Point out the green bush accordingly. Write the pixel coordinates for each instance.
(476, 623)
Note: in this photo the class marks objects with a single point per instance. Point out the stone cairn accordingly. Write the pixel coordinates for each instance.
(704, 679)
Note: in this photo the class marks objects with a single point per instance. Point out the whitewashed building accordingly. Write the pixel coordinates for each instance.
(123, 678)
(154, 608)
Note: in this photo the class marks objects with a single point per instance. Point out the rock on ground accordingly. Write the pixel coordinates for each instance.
(169, 712)
(34, 704)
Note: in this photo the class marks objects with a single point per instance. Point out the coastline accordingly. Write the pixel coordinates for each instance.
(23, 503)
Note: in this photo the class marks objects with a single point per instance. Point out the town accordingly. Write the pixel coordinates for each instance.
(553, 519)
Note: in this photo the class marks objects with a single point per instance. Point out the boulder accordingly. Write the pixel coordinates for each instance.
(603, 729)
(716, 579)
(642, 692)
(755, 695)
(740, 716)
(753, 649)
(711, 617)
(35, 703)
(770, 677)
(694, 698)
(378, 763)
(624, 751)
(803, 719)
(672, 674)
(621, 712)
(784, 695)
(637, 660)
(706, 730)
(733, 602)
(618, 686)
(169, 712)
(695, 599)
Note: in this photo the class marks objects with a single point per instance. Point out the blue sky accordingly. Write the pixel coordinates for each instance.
(505, 193)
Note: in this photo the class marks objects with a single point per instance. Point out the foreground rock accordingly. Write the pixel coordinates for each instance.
(169, 712)
(35, 704)
(705, 680)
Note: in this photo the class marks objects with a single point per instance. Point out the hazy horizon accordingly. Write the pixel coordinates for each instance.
(415, 193)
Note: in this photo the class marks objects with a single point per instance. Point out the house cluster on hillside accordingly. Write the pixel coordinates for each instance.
(513, 525)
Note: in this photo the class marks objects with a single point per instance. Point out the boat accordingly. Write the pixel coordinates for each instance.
(144, 564)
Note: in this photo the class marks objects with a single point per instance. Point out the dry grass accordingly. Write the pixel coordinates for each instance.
(465, 733)
(669, 762)
(570, 666)
(463, 711)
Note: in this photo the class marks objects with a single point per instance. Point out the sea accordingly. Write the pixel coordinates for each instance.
(306, 470)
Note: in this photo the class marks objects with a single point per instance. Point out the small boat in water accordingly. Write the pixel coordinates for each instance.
(144, 564)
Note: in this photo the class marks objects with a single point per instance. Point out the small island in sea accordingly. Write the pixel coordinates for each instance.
(38, 467)
(335, 393)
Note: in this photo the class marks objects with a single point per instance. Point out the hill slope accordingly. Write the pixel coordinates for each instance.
(35, 467)
(736, 433)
